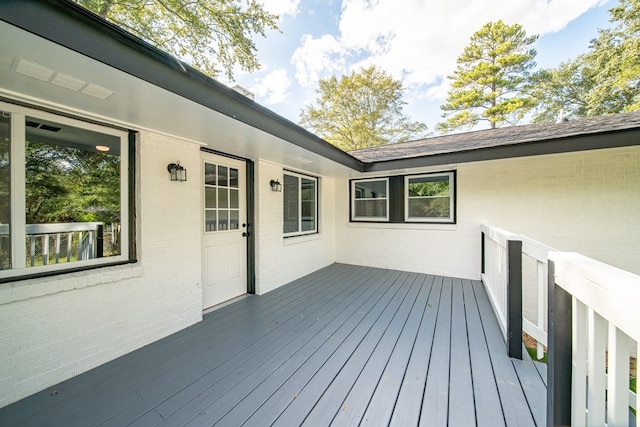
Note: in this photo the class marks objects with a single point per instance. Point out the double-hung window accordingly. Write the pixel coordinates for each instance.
(64, 193)
(370, 200)
(425, 198)
(429, 197)
(300, 204)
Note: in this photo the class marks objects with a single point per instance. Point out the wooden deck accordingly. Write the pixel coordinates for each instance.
(344, 346)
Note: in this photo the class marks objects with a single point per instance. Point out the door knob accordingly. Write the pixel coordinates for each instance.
(245, 234)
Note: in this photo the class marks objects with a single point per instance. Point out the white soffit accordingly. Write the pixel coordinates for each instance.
(46, 74)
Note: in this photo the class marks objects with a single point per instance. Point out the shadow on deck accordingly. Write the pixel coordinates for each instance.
(343, 346)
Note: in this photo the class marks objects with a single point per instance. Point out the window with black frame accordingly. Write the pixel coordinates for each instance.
(68, 206)
(300, 194)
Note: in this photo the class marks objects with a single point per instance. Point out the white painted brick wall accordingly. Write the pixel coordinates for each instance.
(52, 329)
(585, 202)
(280, 260)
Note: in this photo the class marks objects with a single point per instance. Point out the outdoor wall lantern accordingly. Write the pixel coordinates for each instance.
(275, 185)
(178, 173)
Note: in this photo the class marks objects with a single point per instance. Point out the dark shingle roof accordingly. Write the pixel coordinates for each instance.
(501, 137)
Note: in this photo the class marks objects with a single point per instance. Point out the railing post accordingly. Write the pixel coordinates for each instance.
(514, 298)
(99, 241)
(482, 252)
(559, 363)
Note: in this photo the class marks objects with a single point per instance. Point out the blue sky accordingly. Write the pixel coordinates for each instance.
(416, 41)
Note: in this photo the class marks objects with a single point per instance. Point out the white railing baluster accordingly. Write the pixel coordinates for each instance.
(69, 245)
(44, 233)
(596, 387)
(32, 256)
(541, 283)
(57, 248)
(618, 378)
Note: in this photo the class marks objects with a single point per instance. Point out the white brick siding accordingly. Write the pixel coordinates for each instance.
(586, 202)
(54, 328)
(281, 260)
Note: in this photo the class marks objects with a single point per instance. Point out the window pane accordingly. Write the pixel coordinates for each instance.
(210, 220)
(5, 194)
(429, 186)
(371, 190)
(210, 174)
(233, 199)
(222, 176)
(210, 197)
(223, 198)
(290, 193)
(72, 193)
(233, 177)
(234, 216)
(308, 205)
(223, 220)
(437, 207)
(371, 208)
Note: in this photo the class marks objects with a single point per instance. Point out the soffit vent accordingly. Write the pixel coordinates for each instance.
(31, 123)
(40, 72)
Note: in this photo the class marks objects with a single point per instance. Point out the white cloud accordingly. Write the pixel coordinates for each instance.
(273, 87)
(282, 7)
(419, 41)
(316, 58)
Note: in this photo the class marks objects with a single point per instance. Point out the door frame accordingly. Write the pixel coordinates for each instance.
(251, 209)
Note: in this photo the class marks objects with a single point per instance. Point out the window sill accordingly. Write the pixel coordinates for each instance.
(403, 226)
(295, 240)
(37, 287)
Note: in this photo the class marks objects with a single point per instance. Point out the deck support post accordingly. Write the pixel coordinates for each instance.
(559, 363)
(514, 298)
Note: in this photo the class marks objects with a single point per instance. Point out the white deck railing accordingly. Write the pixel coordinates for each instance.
(605, 325)
(601, 332)
(495, 279)
(60, 242)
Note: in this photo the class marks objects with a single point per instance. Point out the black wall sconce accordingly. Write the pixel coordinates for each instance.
(178, 173)
(275, 185)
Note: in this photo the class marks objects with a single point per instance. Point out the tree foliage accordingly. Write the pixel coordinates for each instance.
(604, 80)
(489, 82)
(360, 110)
(65, 184)
(212, 35)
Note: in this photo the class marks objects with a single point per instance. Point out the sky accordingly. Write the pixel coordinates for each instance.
(416, 41)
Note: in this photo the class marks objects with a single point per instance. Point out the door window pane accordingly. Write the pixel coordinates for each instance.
(223, 180)
(233, 178)
(222, 198)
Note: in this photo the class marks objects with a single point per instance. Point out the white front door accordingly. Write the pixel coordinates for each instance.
(224, 248)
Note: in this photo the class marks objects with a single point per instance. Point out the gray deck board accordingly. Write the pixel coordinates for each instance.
(345, 345)
(485, 390)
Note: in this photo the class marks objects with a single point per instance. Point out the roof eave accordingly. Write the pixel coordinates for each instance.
(75, 28)
(603, 140)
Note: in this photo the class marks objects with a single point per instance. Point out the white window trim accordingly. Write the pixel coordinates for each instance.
(317, 204)
(17, 197)
(353, 201)
(450, 219)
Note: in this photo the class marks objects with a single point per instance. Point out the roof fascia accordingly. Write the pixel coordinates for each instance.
(75, 28)
(611, 139)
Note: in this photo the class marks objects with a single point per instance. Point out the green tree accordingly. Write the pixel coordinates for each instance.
(360, 110)
(489, 82)
(604, 80)
(213, 35)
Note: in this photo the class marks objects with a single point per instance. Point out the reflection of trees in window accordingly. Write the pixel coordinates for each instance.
(67, 184)
(429, 197)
